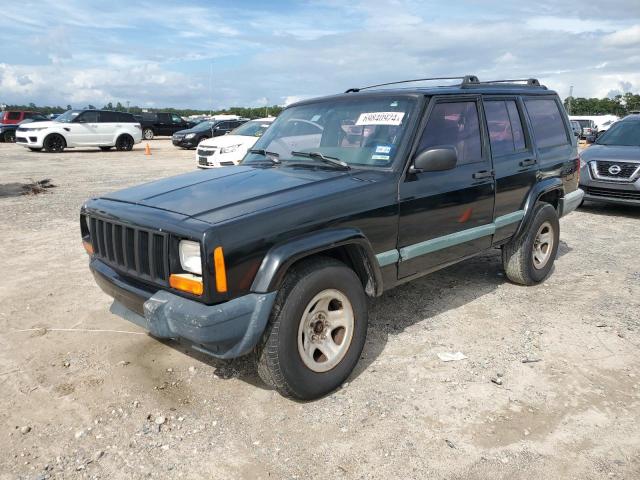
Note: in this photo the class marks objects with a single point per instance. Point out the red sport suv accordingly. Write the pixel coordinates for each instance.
(12, 117)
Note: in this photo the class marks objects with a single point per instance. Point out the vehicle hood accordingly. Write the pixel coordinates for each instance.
(221, 194)
(227, 140)
(611, 152)
(44, 124)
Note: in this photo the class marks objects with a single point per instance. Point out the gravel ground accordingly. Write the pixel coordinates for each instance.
(84, 394)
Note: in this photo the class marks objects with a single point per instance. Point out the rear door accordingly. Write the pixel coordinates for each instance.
(447, 215)
(109, 123)
(514, 161)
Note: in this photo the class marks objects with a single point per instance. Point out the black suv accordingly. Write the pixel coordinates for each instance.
(161, 123)
(342, 198)
(191, 137)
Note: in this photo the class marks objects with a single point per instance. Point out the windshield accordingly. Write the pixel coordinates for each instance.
(621, 133)
(206, 125)
(358, 131)
(68, 116)
(254, 128)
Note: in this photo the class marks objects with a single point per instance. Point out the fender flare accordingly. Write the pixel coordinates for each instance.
(279, 258)
(541, 188)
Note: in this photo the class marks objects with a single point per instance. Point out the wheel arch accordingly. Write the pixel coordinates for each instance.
(60, 133)
(550, 191)
(348, 245)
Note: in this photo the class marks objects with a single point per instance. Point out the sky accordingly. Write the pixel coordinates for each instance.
(213, 54)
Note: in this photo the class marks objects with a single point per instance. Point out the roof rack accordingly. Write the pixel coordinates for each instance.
(467, 81)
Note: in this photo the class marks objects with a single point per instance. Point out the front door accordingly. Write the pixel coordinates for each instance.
(84, 129)
(448, 215)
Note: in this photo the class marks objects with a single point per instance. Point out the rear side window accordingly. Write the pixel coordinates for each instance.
(455, 124)
(505, 128)
(13, 116)
(546, 120)
(126, 118)
(108, 117)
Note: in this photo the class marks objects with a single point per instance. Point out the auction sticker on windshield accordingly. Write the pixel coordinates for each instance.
(380, 118)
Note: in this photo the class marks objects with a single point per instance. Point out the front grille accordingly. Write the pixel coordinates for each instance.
(206, 152)
(21, 140)
(138, 252)
(613, 193)
(627, 169)
(178, 137)
(227, 164)
(203, 161)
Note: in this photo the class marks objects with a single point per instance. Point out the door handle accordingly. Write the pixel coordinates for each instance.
(483, 174)
(528, 163)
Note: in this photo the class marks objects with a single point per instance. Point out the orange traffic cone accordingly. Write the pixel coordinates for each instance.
(147, 150)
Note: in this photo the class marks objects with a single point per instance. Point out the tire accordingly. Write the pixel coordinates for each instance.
(105, 149)
(147, 134)
(9, 136)
(528, 258)
(54, 143)
(290, 360)
(124, 143)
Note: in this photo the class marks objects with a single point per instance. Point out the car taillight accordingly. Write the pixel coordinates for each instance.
(577, 161)
(138, 126)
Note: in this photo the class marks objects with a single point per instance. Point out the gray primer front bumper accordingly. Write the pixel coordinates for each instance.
(571, 201)
(227, 330)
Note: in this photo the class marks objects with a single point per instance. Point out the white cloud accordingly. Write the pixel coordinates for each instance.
(629, 37)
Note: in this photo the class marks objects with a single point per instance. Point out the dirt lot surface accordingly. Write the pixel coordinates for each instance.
(85, 394)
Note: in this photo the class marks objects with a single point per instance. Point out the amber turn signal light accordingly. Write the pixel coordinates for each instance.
(87, 247)
(186, 282)
(221, 272)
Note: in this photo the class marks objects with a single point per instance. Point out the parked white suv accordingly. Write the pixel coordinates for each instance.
(82, 128)
(229, 149)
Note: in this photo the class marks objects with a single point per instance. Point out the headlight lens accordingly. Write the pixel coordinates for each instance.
(190, 258)
(230, 148)
(582, 162)
(189, 135)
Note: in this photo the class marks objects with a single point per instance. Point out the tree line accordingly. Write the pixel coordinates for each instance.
(619, 105)
(246, 112)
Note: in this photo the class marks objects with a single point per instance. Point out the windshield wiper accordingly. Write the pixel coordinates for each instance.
(333, 161)
(271, 156)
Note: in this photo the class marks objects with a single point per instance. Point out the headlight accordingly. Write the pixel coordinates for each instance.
(189, 135)
(230, 148)
(190, 256)
(582, 162)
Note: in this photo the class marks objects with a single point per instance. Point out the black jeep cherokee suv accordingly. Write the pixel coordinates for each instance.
(342, 198)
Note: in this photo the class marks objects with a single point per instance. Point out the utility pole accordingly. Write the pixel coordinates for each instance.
(127, 106)
(211, 89)
(570, 98)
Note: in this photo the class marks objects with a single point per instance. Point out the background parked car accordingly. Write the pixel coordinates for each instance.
(8, 132)
(229, 149)
(191, 137)
(610, 169)
(161, 123)
(81, 128)
(576, 127)
(13, 117)
(589, 129)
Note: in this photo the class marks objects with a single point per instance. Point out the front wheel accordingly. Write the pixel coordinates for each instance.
(528, 259)
(316, 332)
(54, 143)
(124, 143)
(147, 134)
(9, 136)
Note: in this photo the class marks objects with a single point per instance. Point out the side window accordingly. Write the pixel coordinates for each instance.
(456, 124)
(548, 127)
(13, 116)
(505, 129)
(87, 117)
(108, 117)
(175, 118)
(125, 118)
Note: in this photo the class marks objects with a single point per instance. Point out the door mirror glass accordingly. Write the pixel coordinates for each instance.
(436, 159)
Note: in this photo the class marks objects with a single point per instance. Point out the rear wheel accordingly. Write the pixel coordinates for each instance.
(317, 330)
(54, 143)
(147, 134)
(528, 259)
(124, 143)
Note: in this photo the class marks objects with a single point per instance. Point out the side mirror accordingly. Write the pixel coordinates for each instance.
(435, 159)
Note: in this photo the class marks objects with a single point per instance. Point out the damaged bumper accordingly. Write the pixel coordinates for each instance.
(226, 330)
